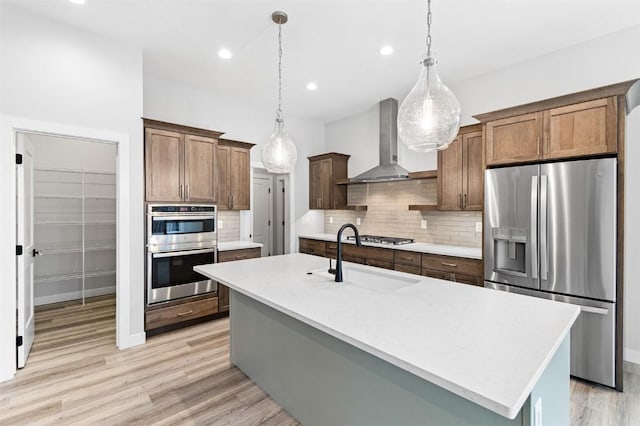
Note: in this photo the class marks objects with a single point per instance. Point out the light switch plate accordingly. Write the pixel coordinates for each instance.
(358, 221)
(478, 226)
(330, 219)
(220, 224)
(423, 224)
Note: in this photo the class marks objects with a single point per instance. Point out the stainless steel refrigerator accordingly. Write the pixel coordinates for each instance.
(550, 231)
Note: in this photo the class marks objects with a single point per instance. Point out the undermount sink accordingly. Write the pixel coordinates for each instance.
(377, 280)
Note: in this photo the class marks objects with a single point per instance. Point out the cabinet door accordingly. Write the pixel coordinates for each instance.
(223, 298)
(199, 162)
(582, 129)
(515, 139)
(223, 174)
(432, 273)
(326, 180)
(163, 165)
(240, 187)
(472, 172)
(315, 186)
(450, 176)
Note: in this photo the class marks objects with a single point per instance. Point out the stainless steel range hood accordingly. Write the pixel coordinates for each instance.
(388, 169)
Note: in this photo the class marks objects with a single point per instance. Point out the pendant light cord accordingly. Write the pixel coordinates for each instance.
(279, 111)
(428, 28)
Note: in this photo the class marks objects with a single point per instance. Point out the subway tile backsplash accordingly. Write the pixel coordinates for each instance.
(387, 214)
(230, 230)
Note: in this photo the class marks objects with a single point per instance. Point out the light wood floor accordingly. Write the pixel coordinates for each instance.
(75, 375)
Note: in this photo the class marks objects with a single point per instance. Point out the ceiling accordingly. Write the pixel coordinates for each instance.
(335, 43)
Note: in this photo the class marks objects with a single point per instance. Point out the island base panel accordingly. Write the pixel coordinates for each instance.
(321, 380)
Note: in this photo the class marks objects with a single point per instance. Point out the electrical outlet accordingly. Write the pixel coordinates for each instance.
(537, 413)
(220, 224)
(358, 221)
(423, 224)
(478, 226)
(330, 219)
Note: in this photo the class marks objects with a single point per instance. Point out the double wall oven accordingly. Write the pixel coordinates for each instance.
(179, 237)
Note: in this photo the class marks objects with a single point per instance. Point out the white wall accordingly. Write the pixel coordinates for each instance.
(180, 103)
(359, 136)
(58, 74)
(606, 60)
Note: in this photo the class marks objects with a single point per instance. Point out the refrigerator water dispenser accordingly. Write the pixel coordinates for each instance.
(509, 248)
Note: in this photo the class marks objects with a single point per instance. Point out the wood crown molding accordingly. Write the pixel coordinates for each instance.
(163, 125)
(630, 88)
(328, 155)
(236, 144)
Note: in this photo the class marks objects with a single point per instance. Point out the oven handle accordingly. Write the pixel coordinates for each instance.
(182, 253)
(165, 218)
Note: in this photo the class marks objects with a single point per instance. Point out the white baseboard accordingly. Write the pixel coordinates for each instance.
(73, 295)
(631, 355)
(7, 375)
(133, 340)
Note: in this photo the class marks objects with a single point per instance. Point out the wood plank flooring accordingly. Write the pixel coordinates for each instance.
(76, 375)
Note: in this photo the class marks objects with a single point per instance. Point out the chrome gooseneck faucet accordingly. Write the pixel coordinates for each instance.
(339, 251)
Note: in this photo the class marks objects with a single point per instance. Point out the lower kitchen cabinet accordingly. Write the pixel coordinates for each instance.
(458, 269)
(314, 247)
(230, 256)
(180, 311)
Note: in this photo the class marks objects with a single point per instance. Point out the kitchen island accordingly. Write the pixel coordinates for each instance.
(447, 353)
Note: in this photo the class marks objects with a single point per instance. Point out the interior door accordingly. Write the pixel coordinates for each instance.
(262, 203)
(26, 322)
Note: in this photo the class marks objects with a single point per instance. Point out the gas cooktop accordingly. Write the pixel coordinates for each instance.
(382, 240)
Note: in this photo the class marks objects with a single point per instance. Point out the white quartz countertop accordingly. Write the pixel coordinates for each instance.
(237, 245)
(487, 346)
(443, 249)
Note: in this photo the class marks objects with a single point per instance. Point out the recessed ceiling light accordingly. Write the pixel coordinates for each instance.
(386, 50)
(224, 53)
(312, 86)
(77, 1)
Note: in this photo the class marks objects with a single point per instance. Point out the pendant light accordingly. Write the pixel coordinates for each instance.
(429, 117)
(279, 154)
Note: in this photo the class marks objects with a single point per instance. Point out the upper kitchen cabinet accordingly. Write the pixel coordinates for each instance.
(578, 125)
(460, 172)
(586, 128)
(324, 172)
(179, 163)
(233, 174)
(515, 139)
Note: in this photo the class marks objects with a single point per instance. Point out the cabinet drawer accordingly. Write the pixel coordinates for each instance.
(458, 265)
(353, 259)
(408, 258)
(432, 273)
(467, 279)
(371, 253)
(314, 247)
(378, 263)
(231, 255)
(331, 249)
(406, 268)
(178, 313)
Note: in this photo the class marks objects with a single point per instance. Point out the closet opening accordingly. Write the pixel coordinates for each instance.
(67, 210)
(269, 206)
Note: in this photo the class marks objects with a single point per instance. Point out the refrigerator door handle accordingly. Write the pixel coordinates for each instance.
(593, 310)
(543, 228)
(534, 227)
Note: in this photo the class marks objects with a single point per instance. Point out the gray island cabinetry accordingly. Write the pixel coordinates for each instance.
(449, 354)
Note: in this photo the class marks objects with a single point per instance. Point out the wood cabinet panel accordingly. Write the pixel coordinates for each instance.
(378, 263)
(514, 139)
(586, 128)
(223, 298)
(223, 176)
(371, 253)
(324, 171)
(406, 268)
(240, 185)
(472, 172)
(241, 254)
(314, 247)
(450, 176)
(467, 279)
(331, 249)
(433, 273)
(452, 264)
(200, 160)
(408, 258)
(183, 312)
(163, 165)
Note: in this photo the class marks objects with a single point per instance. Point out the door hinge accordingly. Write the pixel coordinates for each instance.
(18, 341)
(283, 223)
(269, 190)
(269, 224)
(18, 158)
(283, 190)
(18, 250)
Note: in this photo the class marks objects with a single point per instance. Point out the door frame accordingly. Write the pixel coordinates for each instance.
(10, 127)
(263, 174)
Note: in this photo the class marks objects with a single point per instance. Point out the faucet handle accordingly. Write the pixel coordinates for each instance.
(331, 270)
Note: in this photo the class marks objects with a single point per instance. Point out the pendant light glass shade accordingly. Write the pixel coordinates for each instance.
(429, 117)
(279, 154)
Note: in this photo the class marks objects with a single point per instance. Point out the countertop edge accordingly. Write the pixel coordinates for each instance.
(237, 245)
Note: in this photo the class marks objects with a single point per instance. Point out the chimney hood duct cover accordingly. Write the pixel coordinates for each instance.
(388, 169)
